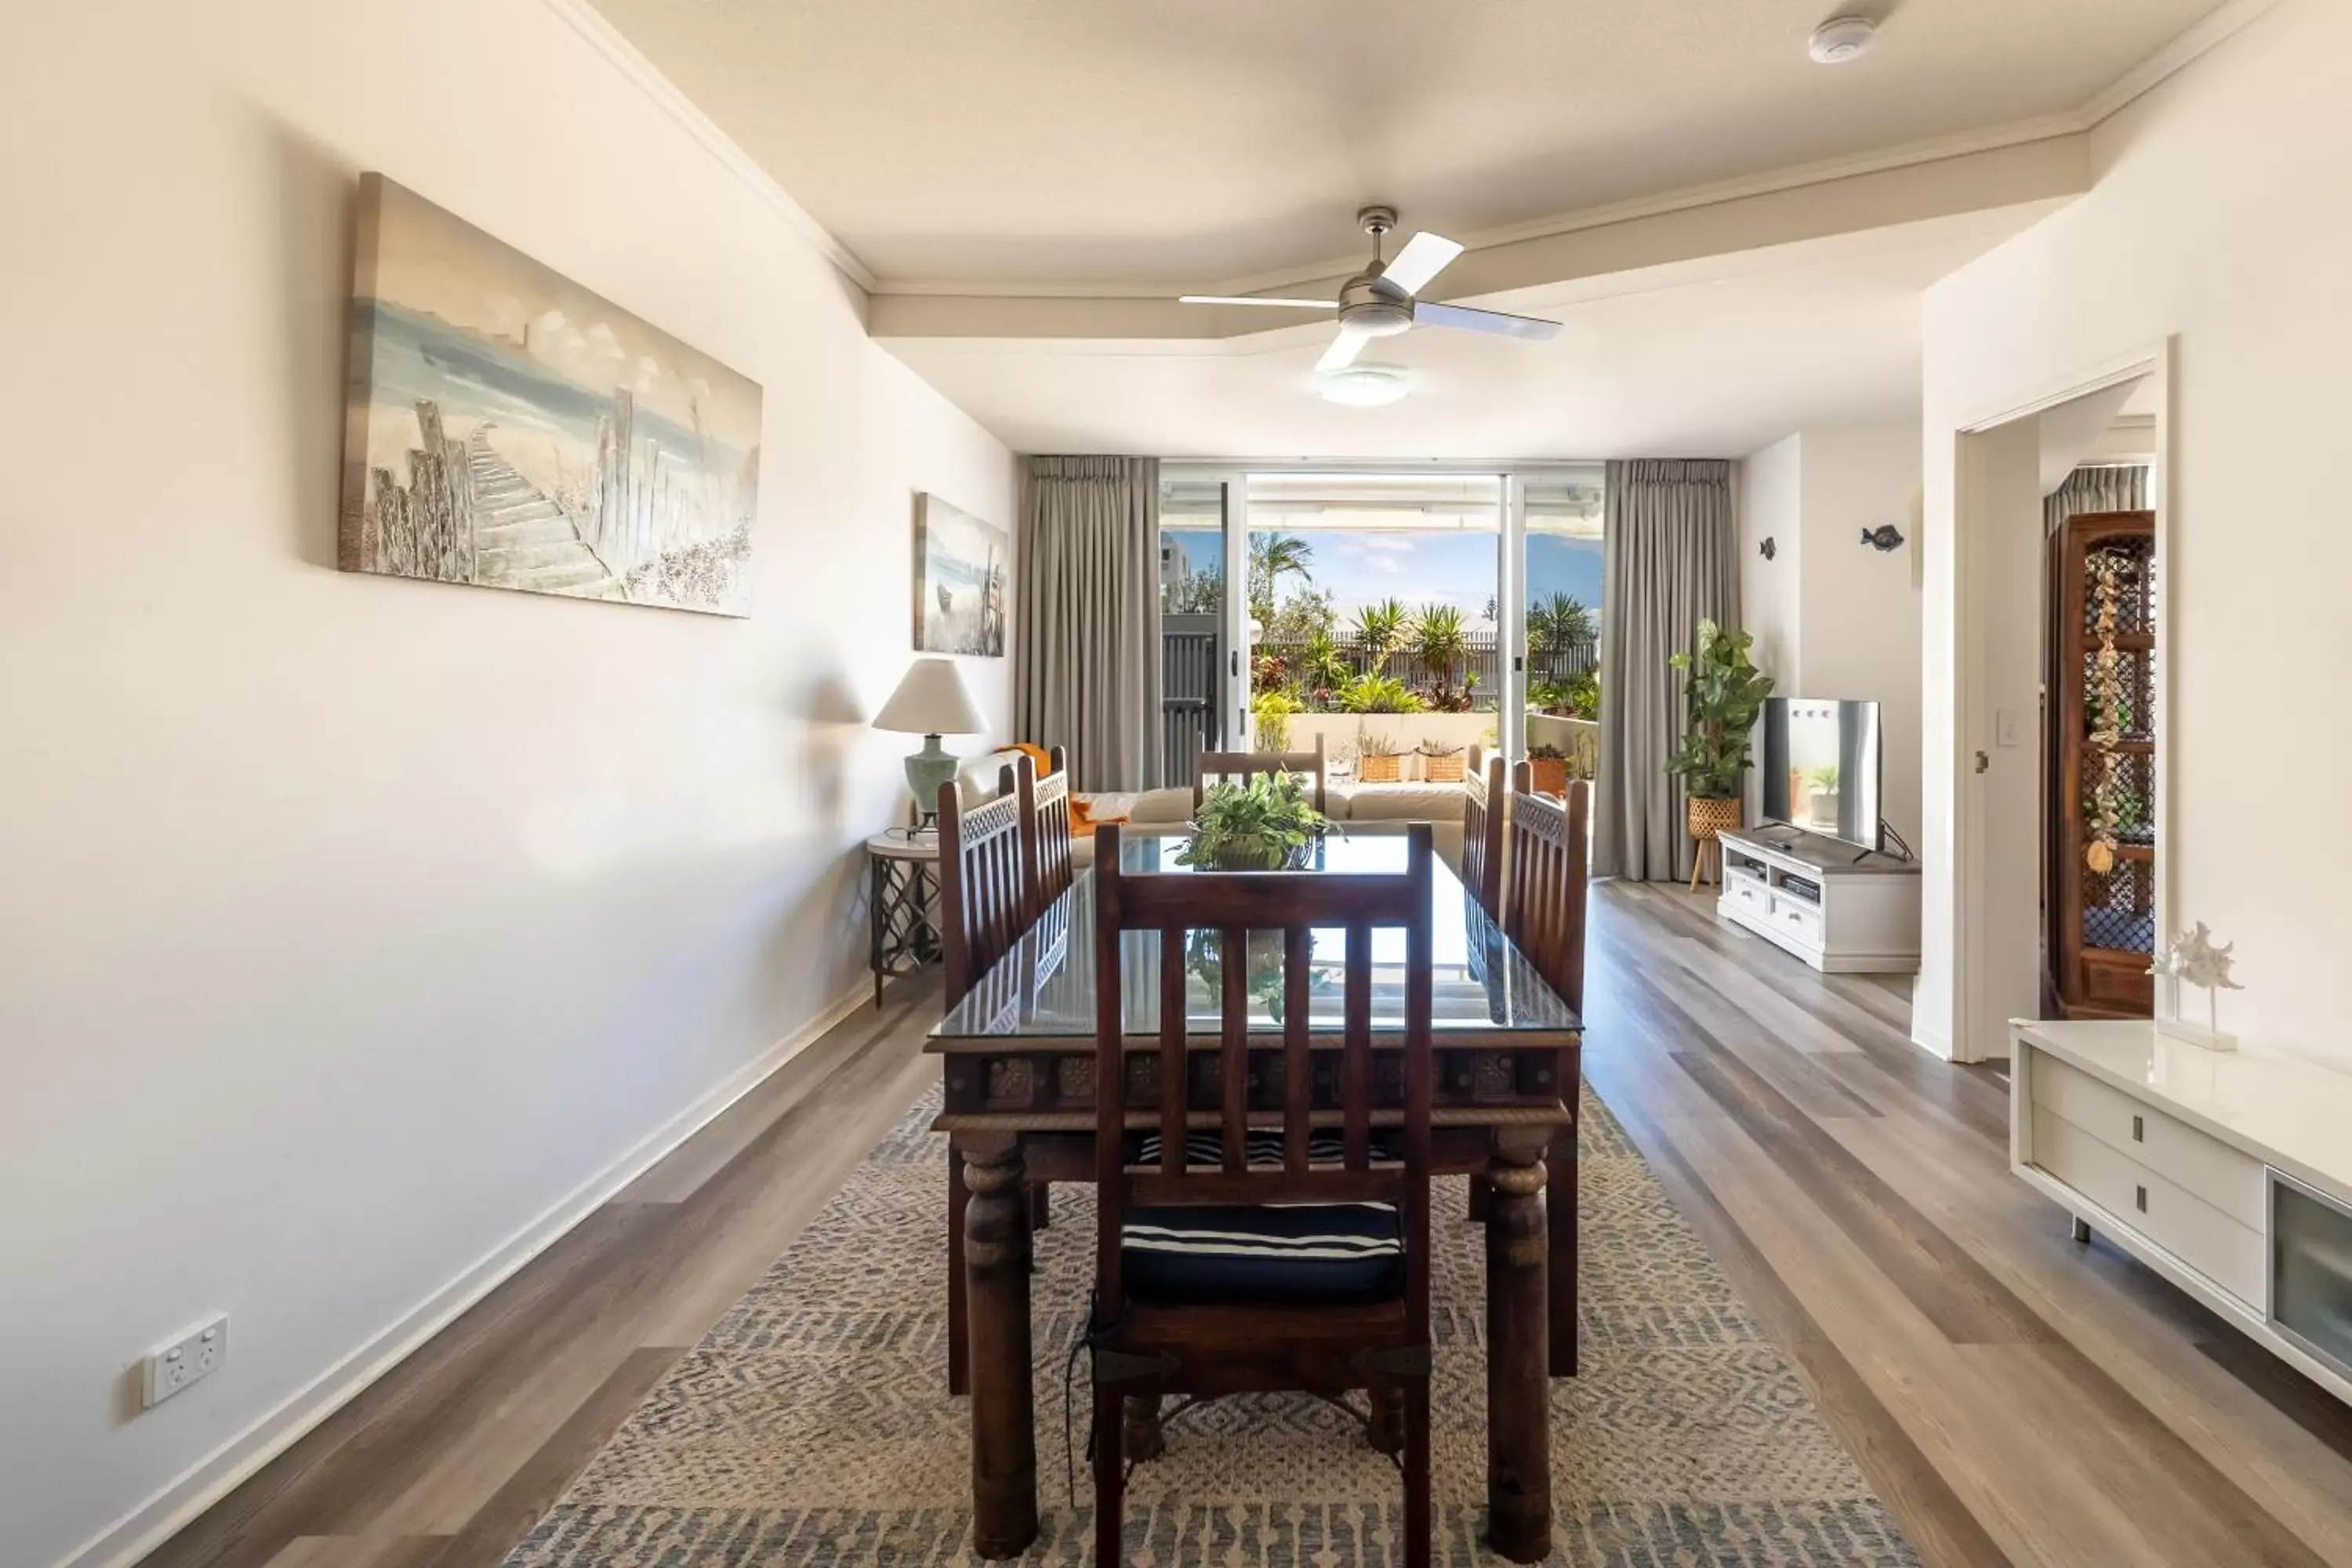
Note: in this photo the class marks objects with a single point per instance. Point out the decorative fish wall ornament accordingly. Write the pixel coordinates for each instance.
(1884, 538)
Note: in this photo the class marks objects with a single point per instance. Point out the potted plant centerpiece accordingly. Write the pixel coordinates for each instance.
(1264, 825)
(1725, 693)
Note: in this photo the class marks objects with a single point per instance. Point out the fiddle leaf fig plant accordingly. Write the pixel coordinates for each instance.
(1725, 693)
(1263, 824)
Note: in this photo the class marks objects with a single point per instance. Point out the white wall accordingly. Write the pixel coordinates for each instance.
(1832, 616)
(1862, 605)
(2220, 219)
(352, 926)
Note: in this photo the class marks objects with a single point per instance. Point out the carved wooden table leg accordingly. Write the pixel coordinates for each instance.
(996, 1260)
(1560, 1206)
(1143, 1440)
(1387, 1429)
(958, 1325)
(1519, 1413)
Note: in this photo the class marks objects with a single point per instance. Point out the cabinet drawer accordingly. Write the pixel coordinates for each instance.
(1748, 893)
(1801, 920)
(2175, 1220)
(2230, 1181)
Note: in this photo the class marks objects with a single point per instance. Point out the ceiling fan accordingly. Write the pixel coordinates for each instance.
(1379, 301)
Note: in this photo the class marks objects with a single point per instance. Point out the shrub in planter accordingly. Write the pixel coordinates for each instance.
(1548, 771)
(1378, 761)
(1725, 693)
(1264, 825)
(1440, 763)
(1380, 694)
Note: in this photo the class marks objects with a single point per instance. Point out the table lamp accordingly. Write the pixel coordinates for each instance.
(930, 701)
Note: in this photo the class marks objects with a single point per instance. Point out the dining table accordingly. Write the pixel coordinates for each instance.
(1018, 1054)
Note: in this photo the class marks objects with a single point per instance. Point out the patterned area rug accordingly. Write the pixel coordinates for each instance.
(812, 1426)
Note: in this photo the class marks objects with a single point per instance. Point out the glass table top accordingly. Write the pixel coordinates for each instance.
(1483, 988)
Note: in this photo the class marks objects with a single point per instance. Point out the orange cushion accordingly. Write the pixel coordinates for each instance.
(1083, 821)
(1039, 755)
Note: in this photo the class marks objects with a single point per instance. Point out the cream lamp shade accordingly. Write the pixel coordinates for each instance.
(931, 701)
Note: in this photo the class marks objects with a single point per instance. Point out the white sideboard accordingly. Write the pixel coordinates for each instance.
(2228, 1173)
(1839, 909)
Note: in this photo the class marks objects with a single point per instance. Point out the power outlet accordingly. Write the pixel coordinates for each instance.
(170, 1368)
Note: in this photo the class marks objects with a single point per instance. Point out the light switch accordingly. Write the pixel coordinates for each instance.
(2004, 727)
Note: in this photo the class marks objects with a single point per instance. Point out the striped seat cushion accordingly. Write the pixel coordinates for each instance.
(1306, 1254)
(1324, 1146)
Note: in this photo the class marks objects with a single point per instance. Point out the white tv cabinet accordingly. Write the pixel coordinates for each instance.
(2228, 1173)
(1840, 909)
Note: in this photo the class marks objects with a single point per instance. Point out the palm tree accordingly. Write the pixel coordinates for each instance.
(1439, 642)
(1273, 557)
(1559, 623)
(1382, 629)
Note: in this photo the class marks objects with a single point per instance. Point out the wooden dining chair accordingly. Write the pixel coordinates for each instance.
(1223, 1268)
(1544, 918)
(1247, 765)
(1044, 829)
(1482, 831)
(982, 897)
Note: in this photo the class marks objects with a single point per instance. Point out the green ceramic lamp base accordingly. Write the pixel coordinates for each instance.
(927, 770)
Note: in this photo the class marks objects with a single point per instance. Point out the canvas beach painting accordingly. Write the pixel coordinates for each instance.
(960, 567)
(509, 428)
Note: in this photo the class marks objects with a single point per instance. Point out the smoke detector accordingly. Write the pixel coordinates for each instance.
(1841, 38)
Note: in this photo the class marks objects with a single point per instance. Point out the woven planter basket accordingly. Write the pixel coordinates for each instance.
(1440, 770)
(1709, 817)
(1380, 770)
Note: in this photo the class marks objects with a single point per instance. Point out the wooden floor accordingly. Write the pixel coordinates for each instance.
(2014, 1396)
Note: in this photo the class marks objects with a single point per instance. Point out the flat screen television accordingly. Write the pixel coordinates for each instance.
(1820, 766)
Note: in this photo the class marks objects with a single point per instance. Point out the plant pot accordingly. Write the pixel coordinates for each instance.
(1709, 817)
(1380, 770)
(1294, 859)
(1548, 775)
(1441, 770)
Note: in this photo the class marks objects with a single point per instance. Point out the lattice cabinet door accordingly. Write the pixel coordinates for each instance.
(2099, 886)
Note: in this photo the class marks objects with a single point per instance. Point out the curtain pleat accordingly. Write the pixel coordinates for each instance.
(1669, 560)
(2103, 488)
(1086, 641)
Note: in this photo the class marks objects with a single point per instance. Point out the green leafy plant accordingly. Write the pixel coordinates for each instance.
(1263, 824)
(1547, 754)
(1273, 710)
(1724, 694)
(1583, 694)
(1548, 696)
(1430, 746)
(1380, 694)
(1322, 667)
(1382, 629)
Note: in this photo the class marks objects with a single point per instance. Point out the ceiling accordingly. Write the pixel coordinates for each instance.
(1116, 145)
(1707, 359)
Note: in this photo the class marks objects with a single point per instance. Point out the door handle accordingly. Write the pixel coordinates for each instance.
(1983, 762)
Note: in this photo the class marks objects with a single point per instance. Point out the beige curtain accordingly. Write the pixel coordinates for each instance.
(2117, 487)
(1669, 560)
(1086, 643)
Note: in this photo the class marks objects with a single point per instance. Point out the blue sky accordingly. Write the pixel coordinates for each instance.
(1428, 568)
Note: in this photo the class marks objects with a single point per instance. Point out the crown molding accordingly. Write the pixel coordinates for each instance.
(2174, 57)
(607, 40)
(2137, 82)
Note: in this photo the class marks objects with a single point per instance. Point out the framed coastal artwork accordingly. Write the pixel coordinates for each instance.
(509, 428)
(960, 567)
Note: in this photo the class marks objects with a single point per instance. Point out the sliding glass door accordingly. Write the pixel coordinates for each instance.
(1398, 616)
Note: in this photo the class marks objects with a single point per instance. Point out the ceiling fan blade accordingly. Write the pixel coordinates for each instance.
(1424, 256)
(1343, 349)
(1529, 329)
(1256, 300)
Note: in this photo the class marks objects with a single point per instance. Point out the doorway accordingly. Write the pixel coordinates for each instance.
(2002, 875)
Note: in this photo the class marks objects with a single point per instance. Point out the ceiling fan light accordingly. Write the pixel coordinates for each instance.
(1366, 385)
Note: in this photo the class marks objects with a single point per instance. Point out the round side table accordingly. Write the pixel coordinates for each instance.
(902, 868)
